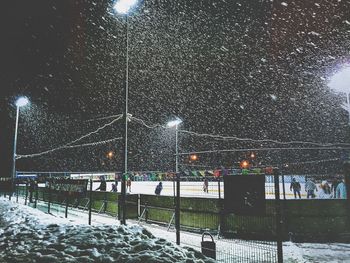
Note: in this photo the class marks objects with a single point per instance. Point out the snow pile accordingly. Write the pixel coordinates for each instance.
(316, 252)
(28, 235)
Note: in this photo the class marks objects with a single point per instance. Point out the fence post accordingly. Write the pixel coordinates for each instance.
(105, 203)
(346, 169)
(25, 200)
(177, 209)
(278, 216)
(11, 190)
(16, 191)
(67, 203)
(138, 205)
(49, 203)
(90, 201)
(221, 213)
(118, 207)
(36, 195)
(283, 187)
(123, 200)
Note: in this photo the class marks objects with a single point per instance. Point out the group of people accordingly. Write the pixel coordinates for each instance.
(336, 190)
(103, 185)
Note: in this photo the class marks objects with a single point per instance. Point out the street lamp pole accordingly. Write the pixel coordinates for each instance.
(177, 148)
(125, 119)
(123, 7)
(15, 145)
(175, 123)
(22, 101)
(348, 104)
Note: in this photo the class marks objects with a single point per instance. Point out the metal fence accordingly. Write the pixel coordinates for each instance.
(189, 207)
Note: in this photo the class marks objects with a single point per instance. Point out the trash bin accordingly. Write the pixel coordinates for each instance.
(208, 247)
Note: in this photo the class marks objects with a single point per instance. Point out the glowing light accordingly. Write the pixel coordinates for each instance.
(124, 6)
(244, 164)
(174, 123)
(194, 157)
(340, 82)
(22, 101)
(110, 155)
(252, 155)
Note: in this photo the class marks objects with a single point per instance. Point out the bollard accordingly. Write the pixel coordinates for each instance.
(208, 247)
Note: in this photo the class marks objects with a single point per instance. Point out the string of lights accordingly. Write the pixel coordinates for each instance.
(67, 147)
(235, 138)
(265, 149)
(150, 126)
(95, 131)
(315, 161)
(69, 144)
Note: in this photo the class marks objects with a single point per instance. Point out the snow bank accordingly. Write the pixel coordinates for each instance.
(28, 235)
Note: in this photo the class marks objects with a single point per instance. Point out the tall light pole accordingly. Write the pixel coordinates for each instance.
(340, 82)
(175, 123)
(123, 7)
(20, 102)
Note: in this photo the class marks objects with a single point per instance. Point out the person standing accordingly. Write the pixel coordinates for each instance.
(310, 188)
(159, 188)
(32, 188)
(128, 185)
(325, 191)
(295, 186)
(341, 190)
(335, 183)
(114, 188)
(205, 185)
(103, 184)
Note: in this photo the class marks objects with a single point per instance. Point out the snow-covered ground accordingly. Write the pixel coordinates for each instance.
(29, 235)
(105, 235)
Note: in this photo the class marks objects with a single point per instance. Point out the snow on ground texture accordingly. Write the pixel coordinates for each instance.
(28, 235)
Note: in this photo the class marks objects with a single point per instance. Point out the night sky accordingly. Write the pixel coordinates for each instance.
(251, 69)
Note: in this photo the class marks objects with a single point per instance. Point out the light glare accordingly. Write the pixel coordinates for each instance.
(123, 6)
(22, 101)
(174, 123)
(340, 82)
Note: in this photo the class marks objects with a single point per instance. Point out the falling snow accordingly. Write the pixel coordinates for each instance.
(229, 68)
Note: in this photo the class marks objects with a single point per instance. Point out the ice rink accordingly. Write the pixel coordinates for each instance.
(195, 189)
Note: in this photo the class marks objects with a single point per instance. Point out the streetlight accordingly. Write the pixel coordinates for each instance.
(340, 82)
(110, 154)
(123, 7)
(244, 164)
(20, 102)
(193, 157)
(175, 123)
